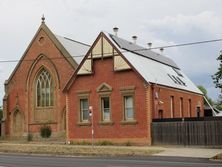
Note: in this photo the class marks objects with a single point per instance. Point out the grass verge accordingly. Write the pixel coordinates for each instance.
(59, 149)
(218, 157)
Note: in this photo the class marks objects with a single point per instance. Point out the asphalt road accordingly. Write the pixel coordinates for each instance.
(7, 160)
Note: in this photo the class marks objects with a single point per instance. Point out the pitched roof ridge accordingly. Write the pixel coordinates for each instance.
(142, 47)
(52, 36)
(139, 49)
(150, 57)
(72, 40)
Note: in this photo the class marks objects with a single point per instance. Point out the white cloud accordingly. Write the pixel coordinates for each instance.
(161, 22)
(212, 92)
(206, 21)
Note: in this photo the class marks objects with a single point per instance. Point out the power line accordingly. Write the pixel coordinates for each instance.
(191, 43)
(143, 49)
(15, 61)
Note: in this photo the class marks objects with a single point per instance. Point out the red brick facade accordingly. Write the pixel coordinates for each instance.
(118, 131)
(103, 72)
(20, 89)
(185, 103)
(151, 101)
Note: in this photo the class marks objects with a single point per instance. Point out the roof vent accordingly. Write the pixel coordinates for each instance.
(115, 30)
(161, 50)
(150, 45)
(134, 39)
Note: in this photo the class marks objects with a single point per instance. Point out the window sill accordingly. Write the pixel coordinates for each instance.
(106, 123)
(129, 122)
(42, 122)
(46, 107)
(84, 123)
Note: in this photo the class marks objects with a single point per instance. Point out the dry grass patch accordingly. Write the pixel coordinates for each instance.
(218, 156)
(59, 149)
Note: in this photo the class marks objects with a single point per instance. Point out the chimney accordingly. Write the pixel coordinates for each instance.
(161, 50)
(134, 39)
(115, 30)
(150, 45)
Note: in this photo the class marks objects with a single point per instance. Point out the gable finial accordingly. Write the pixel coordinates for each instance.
(43, 18)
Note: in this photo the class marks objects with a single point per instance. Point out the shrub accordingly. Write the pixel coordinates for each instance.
(128, 143)
(45, 131)
(29, 137)
(83, 142)
(104, 143)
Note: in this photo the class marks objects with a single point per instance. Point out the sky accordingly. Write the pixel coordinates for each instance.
(162, 22)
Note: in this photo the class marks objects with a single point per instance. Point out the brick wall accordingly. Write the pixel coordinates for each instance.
(179, 96)
(145, 104)
(103, 72)
(22, 83)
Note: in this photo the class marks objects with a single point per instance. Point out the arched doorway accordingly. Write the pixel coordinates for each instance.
(17, 123)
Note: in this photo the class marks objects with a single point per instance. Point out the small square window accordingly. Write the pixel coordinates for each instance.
(177, 80)
(172, 78)
(178, 72)
(181, 81)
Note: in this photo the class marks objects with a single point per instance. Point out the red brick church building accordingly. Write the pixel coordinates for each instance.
(126, 85)
(33, 92)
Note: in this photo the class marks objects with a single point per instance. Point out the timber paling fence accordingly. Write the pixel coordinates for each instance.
(188, 131)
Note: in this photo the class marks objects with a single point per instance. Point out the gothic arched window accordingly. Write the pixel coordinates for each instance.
(44, 89)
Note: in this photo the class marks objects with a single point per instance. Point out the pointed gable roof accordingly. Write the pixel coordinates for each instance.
(153, 67)
(73, 51)
(150, 66)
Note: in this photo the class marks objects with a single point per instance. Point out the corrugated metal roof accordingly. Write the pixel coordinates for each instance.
(76, 49)
(153, 70)
(124, 44)
(156, 72)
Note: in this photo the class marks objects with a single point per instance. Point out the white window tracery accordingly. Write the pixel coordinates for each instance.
(44, 89)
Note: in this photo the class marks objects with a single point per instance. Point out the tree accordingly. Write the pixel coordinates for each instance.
(204, 91)
(218, 103)
(217, 77)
